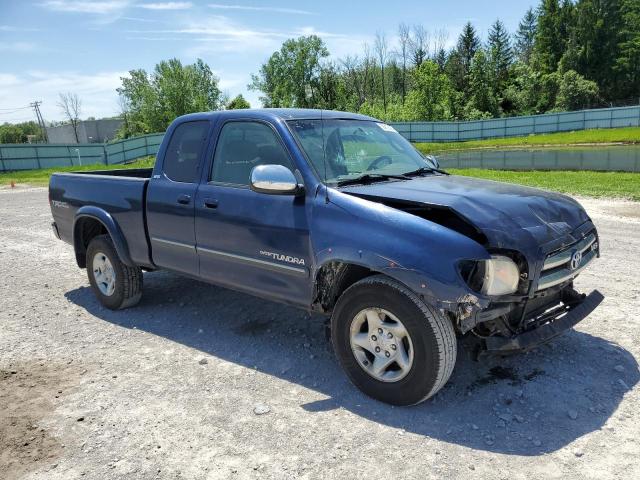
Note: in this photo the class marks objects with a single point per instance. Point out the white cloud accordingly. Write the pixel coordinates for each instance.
(97, 91)
(138, 19)
(293, 11)
(218, 34)
(7, 79)
(17, 47)
(166, 5)
(78, 6)
(13, 28)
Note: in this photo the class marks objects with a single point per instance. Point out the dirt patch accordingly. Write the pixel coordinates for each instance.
(28, 393)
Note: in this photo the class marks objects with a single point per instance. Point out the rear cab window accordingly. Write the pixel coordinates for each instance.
(184, 152)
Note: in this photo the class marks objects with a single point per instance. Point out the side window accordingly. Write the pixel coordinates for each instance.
(184, 151)
(242, 146)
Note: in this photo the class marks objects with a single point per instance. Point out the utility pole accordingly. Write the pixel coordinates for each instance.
(36, 108)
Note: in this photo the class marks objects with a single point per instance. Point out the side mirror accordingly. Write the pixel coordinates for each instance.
(434, 160)
(274, 180)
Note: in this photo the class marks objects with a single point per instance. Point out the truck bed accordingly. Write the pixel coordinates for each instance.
(121, 172)
(121, 193)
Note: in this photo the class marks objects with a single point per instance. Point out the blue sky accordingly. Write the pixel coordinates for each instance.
(52, 46)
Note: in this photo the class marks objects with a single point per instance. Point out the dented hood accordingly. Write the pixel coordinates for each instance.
(510, 216)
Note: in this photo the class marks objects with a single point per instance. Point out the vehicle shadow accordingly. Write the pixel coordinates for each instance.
(527, 404)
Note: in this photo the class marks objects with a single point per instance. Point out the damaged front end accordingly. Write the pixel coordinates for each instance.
(517, 299)
(541, 306)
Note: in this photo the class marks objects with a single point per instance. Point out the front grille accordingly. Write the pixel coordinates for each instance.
(561, 266)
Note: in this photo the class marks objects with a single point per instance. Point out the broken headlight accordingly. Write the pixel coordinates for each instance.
(497, 276)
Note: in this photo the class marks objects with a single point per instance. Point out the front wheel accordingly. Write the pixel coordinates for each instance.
(393, 346)
(115, 284)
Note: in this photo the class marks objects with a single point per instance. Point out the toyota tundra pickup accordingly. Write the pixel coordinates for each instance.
(337, 213)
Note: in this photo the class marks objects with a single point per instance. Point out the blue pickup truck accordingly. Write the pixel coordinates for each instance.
(337, 213)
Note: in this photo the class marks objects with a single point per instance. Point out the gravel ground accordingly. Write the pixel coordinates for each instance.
(201, 382)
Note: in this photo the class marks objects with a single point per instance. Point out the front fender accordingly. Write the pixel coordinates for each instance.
(421, 254)
(109, 224)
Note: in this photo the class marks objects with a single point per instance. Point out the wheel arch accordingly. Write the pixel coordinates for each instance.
(93, 221)
(332, 278)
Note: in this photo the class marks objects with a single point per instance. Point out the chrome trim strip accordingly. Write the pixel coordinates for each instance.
(563, 275)
(256, 262)
(565, 255)
(173, 243)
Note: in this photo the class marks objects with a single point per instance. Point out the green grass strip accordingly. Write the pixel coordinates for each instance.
(628, 135)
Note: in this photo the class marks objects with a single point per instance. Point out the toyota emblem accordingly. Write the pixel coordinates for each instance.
(576, 260)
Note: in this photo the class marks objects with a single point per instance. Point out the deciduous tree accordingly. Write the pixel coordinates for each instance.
(291, 76)
(71, 107)
(237, 103)
(155, 99)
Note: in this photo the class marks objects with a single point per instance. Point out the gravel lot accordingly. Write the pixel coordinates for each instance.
(173, 387)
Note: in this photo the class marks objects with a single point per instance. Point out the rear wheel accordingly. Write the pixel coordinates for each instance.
(115, 284)
(393, 346)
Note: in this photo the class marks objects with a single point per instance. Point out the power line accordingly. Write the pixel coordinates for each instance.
(11, 112)
(13, 109)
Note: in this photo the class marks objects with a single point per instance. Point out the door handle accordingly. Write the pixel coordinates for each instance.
(184, 199)
(210, 203)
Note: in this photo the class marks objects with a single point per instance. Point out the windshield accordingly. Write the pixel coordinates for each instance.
(344, 149)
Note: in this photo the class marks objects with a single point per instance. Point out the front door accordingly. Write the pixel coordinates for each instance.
(171, 199)
(246, 240)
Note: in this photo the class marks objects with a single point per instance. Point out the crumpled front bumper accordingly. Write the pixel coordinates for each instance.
(542, 334)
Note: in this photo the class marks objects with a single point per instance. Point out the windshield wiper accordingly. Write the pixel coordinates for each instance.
(423, 170)
(370, 177)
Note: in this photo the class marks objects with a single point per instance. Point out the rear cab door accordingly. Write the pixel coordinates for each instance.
(171, 197)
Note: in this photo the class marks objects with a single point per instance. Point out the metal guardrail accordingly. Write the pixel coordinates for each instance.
(519, 126)
(37, 156)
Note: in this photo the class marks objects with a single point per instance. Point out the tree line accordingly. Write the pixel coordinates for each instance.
(565, 55)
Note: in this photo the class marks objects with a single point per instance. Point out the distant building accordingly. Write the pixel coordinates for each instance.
(89, 131)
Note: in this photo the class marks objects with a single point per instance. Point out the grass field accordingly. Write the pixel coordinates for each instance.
(585, 183)
(630, 135)
(41, 177)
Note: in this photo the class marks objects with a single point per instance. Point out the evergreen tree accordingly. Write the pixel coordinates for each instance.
(550, 39)
(455, 70)
(525, 36)
(468, 45)
(596, 35)
(628, 60)
(441, 59)
(500, 54)
(481, 83)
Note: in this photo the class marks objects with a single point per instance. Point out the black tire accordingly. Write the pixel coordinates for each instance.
(128, 280)
(432, 335)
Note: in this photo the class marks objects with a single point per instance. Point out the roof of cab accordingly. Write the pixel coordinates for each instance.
(278, 113)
